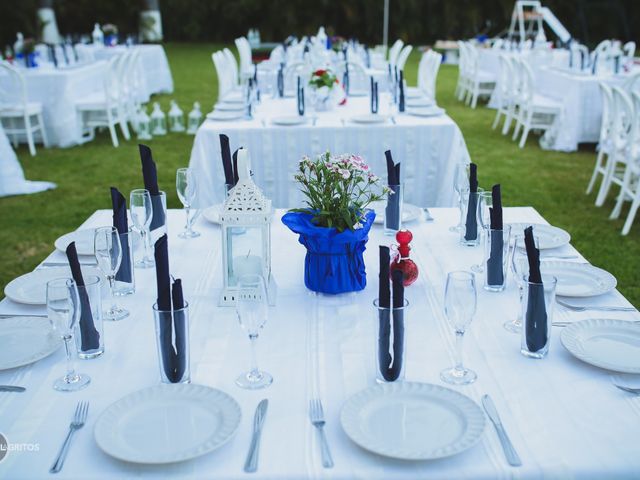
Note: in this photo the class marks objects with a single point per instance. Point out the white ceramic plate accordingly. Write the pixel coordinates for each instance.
(370, 118)
(410, 212)
(548, 236)
(578, 279)
(212, 214)
(412, 421)
(83, 239)
(420, 102)
(359, 93)
(229, 107)
(31, 288)
(26, 340)
(167, 423)
(432, 111)
(605, 343)
(222, 116)
(289, 120)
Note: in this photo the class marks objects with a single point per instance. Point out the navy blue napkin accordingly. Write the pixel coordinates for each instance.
(89, 336)
(235, 167)
(52, 55)
(150, 176)
(227, 166)
(392, 210)
(300, 97)
(64, 53)
(119, 205)
(595, 64)
(281, 80)
(536, 327)
(495, 272)
(345, 78)
(180, 331)
(384, 293)
(367, 57)
(471, 225)
(401, 92)
(391, 367)
(374, 96)
(570, 57)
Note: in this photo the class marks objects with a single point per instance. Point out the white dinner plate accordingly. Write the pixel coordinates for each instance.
(410, 212)
(432, 111)
(412, 421)
(358, 93)
(289, 120)
(420, 102)
(167, 423)
(370, 118)
(578, 279)
(222, 116)
(605, 343)
(212, 214)
(229, 107)
(26, 340)
(548, 236)
(414, 92)
(83, 239)
(31, 288)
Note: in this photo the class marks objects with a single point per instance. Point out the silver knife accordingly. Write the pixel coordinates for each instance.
(509, 452)
(11, 388)
(251, 463)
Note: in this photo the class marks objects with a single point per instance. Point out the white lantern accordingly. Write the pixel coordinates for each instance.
(158, 121)
(246, 234)
(176, 118)
(195, 117)
(143, 128)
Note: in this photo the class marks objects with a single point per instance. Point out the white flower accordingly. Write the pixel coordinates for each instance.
(358, 226)
(345, 173)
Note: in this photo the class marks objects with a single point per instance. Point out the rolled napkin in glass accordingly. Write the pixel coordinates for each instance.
(281, 80)
(171, 314)
(125, 281)
(401, 101)
(537, 304)
(390, 316)
(300, 97)
(393, 210)
(227, 165)
(497, 245)
(90, 323)
(471, 225)
(158, 198)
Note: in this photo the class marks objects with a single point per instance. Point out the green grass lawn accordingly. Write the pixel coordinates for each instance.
(552, 182)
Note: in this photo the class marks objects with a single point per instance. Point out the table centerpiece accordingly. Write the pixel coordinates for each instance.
(326, 89)
(335, 223)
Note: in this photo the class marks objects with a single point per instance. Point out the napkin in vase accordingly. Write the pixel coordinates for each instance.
(120, 222)
(392, 210)
(150, 176)
(495, 272)
(536, 325)
(390, 320)
(89, 336)
(471, 225)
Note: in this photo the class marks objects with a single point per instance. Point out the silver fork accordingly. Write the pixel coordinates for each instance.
(427, 215)
(316, 414)
(579, 308)
(76, 424)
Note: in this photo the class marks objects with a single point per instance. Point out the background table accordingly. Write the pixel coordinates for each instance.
(428, 148)
(564, 417)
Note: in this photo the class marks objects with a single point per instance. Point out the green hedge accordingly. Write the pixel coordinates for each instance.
(415, 21)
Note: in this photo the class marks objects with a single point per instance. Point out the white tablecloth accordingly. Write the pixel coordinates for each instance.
(58, 90)
(12, 181)
(427, 147)
(564, 417)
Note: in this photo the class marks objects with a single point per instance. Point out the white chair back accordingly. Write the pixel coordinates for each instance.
(623, 119)
(629, 50)
(607, 113)
(244, 50)
(233, 66)
(506, 78)
(224, 79)
(16, 94)
(394, 51)
(404, 55)
(497, 44)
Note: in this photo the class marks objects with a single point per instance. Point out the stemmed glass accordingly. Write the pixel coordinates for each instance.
(460, 184)
(108, 251)
(63, 310)
(252, 307)
(186, 186)
(459, 307)
(520, 269)
(485, 201)
(141, 215)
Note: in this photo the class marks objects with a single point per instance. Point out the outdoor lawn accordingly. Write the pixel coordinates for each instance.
(552, 182)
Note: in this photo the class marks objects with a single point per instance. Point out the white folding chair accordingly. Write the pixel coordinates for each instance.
(462, 85)
(18, 115)
(233, 68)
(394, 51)
(534, 111)
(480, 82)
(505, 100)
(604, 142)
(403, 56)
(629, 50)
(225, 78)
(434, 60)
(246, 59)
(600, 54)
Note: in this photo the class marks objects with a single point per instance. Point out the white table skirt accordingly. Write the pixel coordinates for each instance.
(427, 147)
(564, 417)
(58, 90)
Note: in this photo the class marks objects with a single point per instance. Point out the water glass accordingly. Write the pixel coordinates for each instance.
(393, 210)
(141, 216)
(496, 258)
(172, 342)
(483, 221)
(186, 186)
(471, 238)
(520, 269)
(537, 314)
(158, 225)
(63, 310)
(460, 298)
(390, 344)
(460, 185)
(252, 307)
(125, 283)
(89, 332)
(108, 251)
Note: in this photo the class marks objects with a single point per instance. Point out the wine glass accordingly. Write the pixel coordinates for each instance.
(63, 310)
(252, 308)
(460, 299)
(141, 215)
(108, 252)
(520, 269)
(460, 183)
(186, 186)
(485, 201)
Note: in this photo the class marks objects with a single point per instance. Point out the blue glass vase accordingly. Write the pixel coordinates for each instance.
(334, 262)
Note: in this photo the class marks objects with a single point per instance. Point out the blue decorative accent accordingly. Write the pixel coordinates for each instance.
(334, 262)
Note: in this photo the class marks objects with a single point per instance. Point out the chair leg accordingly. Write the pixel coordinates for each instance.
(507, 120)
(516, 130)
(525, 134)
(496, 120)
(45, 140)
(112, 128)
(14, 136)
(596, 169)
(624, 189)
(29, 131)
(606, 181)
(124, 128)
(474, 101)
(632, 213)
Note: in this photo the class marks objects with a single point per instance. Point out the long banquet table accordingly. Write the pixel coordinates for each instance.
(564, 417)
(428, 148)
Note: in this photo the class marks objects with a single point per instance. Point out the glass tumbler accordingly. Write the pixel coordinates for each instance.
(89, 330)
(537, 316)
(172, 340)
(393, 210)
(125, 283)
(470, 237)
(496, 258)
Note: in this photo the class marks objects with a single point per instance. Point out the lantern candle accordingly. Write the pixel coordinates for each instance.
(247, 265)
